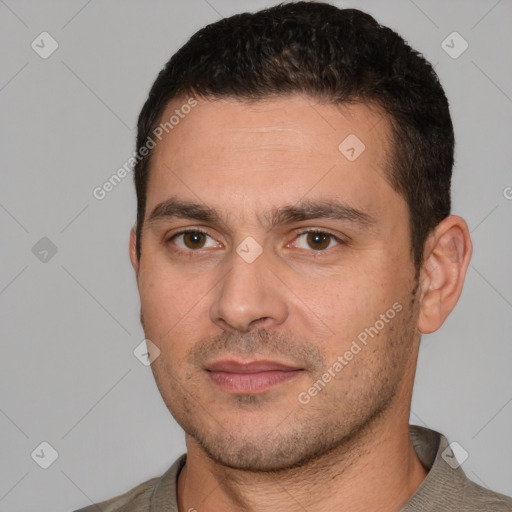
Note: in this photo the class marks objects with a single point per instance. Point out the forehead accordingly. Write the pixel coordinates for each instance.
(295, 120)
(233, 153)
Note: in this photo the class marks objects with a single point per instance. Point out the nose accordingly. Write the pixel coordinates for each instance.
(249, 297)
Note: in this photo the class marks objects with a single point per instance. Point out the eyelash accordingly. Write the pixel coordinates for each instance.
(339, 240)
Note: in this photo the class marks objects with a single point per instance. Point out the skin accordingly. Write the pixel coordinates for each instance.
(348, 448)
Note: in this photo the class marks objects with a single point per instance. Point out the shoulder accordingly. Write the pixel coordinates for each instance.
(136, 499)
(446, 486)
(146, 497)
(477, 498)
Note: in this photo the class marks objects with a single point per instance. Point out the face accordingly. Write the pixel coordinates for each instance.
(276, 278)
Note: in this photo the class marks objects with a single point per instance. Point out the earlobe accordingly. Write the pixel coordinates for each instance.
(447, 255)
(133, 250)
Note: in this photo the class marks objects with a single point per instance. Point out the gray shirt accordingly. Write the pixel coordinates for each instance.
(445, 488)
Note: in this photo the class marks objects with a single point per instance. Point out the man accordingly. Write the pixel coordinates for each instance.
(293, 242)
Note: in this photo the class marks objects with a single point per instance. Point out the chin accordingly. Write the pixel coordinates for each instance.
(262, 452)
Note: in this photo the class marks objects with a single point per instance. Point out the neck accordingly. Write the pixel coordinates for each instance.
(375, 469)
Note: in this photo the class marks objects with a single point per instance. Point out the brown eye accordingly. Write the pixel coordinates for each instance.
(194, 239)
(318, 241)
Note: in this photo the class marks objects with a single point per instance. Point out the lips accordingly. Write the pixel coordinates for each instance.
(250, 377)
(232, 366)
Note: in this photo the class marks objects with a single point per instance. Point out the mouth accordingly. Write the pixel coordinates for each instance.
(250, 377)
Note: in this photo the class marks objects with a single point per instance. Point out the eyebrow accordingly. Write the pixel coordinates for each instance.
(302, 211)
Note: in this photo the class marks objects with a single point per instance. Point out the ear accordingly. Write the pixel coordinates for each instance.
(447, 254)
(133, 251)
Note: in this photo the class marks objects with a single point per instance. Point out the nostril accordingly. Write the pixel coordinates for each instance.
(257, 322)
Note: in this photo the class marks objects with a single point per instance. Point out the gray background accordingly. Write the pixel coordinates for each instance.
(69, 324)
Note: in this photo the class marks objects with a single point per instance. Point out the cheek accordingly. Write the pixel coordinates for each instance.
(353, 298)
(174, 309)
(163, 299)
